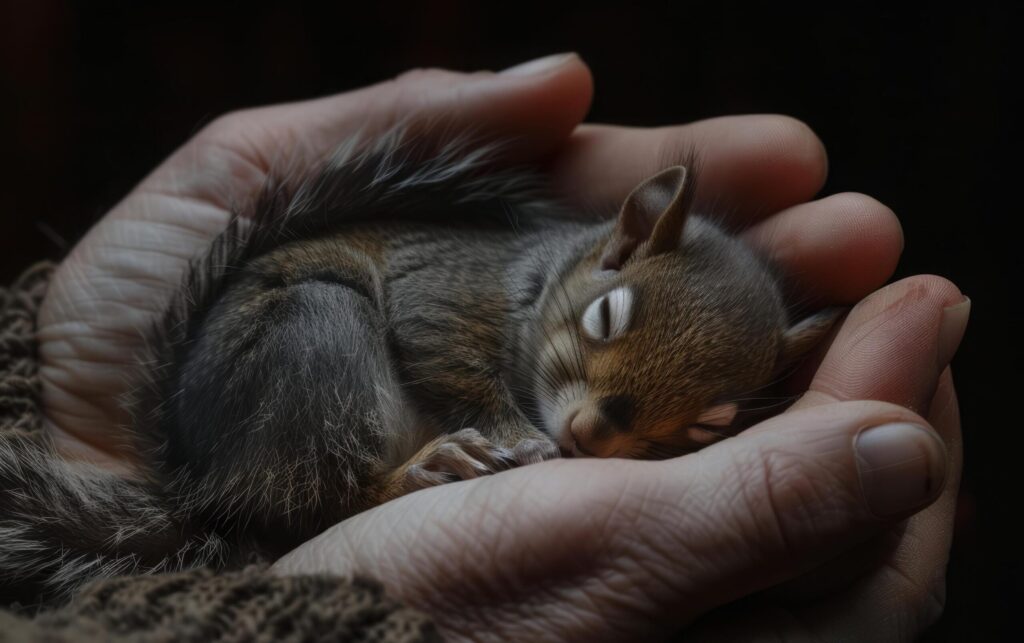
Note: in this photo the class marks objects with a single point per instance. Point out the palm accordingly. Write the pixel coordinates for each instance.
(117, 280)
(638, 548)
(106, 294)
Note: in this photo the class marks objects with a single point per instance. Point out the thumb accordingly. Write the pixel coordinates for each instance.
(621, 549)
(798, 490)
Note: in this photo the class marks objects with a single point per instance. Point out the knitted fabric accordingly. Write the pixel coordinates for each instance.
(199, 605)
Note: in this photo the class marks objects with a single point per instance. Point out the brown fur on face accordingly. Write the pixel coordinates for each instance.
(707, 325)
(703, 330)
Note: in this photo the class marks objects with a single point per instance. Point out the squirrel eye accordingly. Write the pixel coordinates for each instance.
(608, 316)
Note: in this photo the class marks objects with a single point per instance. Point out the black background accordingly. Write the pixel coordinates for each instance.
(913, 104)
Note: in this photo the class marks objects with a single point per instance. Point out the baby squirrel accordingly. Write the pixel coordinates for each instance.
(410, 316)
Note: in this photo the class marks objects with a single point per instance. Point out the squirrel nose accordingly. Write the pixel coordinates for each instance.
(585, 425)
(578, 430)
(618, 410)
(586, 428)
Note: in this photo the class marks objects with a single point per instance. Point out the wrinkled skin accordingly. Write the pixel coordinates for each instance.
(586, 550)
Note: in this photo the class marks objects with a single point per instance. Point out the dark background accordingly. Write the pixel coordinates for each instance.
(913, 104)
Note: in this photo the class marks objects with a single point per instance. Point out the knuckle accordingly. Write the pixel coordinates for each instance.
(223, 127)
(793, 500)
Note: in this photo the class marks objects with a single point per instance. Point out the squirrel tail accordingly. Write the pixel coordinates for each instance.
(64, 523)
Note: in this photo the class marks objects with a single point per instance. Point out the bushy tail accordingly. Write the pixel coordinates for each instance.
(62, 524)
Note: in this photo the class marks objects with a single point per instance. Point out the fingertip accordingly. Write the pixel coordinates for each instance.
(761, 162)
(751, 166)
(532, 108)
(800, 152)
(890, 346)
(540, 101)
(934, 290)
(875, 219)
(835, 250)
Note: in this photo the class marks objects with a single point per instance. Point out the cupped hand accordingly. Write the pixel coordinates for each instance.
(120, 276)
(793, 530)
(765, 169)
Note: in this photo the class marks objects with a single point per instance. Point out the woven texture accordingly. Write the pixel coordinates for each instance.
(200, 605)
(250, 605)
(19, 383)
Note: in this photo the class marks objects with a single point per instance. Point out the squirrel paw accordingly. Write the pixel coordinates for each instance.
(533, 450)
(459, 456)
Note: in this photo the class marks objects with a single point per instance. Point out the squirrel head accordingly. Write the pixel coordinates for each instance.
(652, 339)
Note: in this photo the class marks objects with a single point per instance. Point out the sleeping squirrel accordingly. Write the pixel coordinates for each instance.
(410, 315)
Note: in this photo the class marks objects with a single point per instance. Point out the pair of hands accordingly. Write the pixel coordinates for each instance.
(832, 520)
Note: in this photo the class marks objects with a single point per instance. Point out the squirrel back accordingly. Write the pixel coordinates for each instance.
(410, 315)
(64, 524)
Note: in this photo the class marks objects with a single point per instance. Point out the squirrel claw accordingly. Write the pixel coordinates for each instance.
(462, 455)
(534, 450)
(465, 455)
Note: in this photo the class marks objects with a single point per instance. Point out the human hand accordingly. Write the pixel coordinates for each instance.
(809, 505)
(122, 273)
(117, 280)
(119, 277)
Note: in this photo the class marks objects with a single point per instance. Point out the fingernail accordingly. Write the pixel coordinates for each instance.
(901, 467)
(539, 65)
(951, 330)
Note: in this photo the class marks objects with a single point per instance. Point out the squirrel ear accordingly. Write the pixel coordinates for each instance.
(805, 335)
(656, 211)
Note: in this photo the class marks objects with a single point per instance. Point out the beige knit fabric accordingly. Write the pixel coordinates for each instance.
(199, 605)
(19, 385)
(250, 605)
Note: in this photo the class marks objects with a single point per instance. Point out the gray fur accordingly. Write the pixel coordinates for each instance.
(62, 524)
(324, 343)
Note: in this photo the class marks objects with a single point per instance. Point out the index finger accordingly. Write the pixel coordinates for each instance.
(750, 166)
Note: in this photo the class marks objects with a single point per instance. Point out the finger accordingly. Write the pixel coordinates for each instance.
(895, 601)
(910, 588)
(920, 559)
(780, 501)
(919, 548)
(535, 105)
(531, 108)
(893, 345)
(750, 166)
(643, 547)
(835, 250)
(899, 599)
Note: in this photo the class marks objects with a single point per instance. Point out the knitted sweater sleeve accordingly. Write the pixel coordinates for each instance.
(202, 605)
